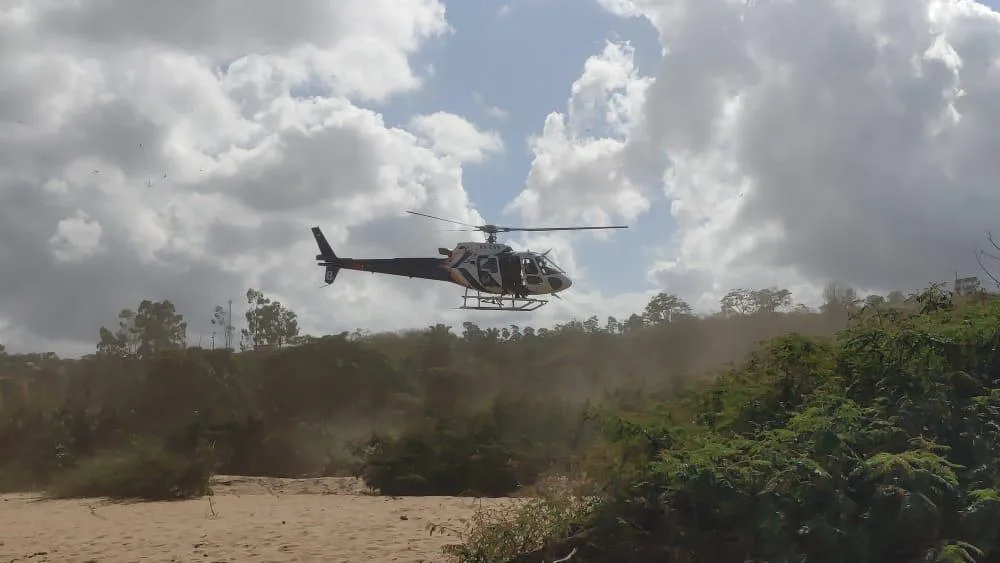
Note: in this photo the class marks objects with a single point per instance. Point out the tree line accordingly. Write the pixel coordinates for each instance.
(290, 404)
(157, 326)
(767, 431)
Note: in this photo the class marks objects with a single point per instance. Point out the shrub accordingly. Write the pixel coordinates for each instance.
(451, 457)
(500, 533)
(880, 446)
(144, 470)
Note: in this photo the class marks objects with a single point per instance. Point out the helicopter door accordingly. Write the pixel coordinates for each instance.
(532, 276)
(489, 272)
(510, 270)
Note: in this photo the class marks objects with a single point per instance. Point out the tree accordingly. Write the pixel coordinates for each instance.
(437, 347)
(664, 308)
(772, 299)
(222, 318)
(874, 300)
(839, 298)
(127, 333)
(123, 342)
(634, 322)
(989, 256)
(160, 327)
(110, 346)
(896, 298)
(802, 309)
(755, 301)
(739, 302)
(269, 323)
(471, 332)
(152, 328)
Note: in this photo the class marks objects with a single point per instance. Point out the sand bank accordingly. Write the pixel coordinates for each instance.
(246, 519)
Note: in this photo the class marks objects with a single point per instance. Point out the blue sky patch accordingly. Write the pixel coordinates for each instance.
(510, 59)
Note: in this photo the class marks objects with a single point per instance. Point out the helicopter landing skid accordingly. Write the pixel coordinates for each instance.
(493, 302)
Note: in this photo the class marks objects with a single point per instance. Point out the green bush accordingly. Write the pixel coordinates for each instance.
(460, 456)
(883, 445)
(499, 533)
(145, 471)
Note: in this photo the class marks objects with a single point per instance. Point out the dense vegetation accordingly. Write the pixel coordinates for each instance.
(876, 443)
(881, 444)
(289, 405)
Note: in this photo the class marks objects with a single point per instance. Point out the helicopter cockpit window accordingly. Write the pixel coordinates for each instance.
(548, 268)
(529, 266)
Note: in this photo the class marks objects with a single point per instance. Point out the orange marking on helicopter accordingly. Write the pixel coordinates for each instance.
(453, 272)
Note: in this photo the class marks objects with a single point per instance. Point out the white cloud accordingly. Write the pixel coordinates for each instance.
(331, 44)
(496, 112)
(144, 156)
(162, 154)
(823, 146)
(623, 8)
(76, 238)
(796, 142)
(580, 178)
(577, 175)
(453, 135)
(183, 150)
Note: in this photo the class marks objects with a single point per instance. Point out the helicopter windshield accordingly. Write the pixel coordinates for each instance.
(547, 266)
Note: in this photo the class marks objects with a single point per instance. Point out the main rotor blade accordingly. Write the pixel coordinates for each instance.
(441, 219)
(536, 229)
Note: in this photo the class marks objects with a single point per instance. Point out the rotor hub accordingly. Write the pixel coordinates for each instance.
(491, 232)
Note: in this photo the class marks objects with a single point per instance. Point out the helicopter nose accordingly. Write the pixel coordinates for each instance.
(559, 283)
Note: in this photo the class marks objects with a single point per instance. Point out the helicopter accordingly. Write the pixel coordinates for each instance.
(495, 277)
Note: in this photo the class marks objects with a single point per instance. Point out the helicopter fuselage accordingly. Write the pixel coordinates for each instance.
(491, 268)
(488, 267)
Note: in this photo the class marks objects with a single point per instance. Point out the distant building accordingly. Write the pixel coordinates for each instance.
(967, 286)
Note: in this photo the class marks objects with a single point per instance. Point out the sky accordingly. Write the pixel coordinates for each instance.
(181, 150)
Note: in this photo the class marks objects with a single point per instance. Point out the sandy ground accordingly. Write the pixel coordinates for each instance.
(246, 519)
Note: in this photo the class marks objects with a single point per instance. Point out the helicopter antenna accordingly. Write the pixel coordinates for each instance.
(492, 230)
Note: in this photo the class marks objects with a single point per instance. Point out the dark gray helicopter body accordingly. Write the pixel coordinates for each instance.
(501, 278)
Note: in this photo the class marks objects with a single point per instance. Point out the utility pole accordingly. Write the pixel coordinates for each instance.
(229, 327)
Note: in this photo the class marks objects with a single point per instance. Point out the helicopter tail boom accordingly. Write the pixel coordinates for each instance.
(424, 268)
